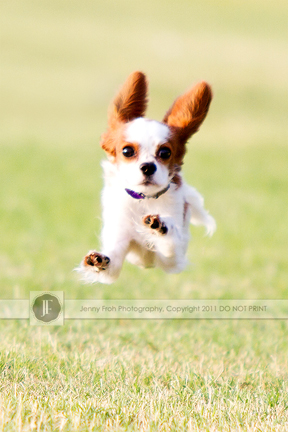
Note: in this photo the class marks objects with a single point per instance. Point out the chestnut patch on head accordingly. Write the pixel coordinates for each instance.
(129, 104)
(181, 121)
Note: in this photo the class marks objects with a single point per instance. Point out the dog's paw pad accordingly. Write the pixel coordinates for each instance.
(154, 222)
(97, 260)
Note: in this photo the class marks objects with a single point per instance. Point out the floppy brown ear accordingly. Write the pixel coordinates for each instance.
(188, 111)
(131, 101)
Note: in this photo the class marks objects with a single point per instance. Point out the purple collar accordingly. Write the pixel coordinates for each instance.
(140, 196)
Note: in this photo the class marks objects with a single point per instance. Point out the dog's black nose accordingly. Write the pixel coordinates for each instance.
(148, 168)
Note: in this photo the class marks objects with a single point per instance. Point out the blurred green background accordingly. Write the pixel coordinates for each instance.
(61, 64)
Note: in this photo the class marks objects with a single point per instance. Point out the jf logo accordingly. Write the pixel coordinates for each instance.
(46, 308)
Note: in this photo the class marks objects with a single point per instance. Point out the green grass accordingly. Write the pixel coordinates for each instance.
(61, 63)
(167, 376)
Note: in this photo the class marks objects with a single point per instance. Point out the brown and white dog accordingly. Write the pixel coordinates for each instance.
(147, 206)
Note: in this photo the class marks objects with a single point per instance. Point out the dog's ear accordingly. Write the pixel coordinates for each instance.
(188, 111)
(131, 101)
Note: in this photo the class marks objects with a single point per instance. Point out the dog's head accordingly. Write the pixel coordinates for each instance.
(148, 154)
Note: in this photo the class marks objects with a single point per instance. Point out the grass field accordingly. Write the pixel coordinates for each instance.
(61, 63)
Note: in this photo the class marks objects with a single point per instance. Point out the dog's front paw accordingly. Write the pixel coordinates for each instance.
(97, 260)
(154, 222)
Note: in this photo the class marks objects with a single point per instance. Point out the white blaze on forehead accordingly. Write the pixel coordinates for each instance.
(146, 132)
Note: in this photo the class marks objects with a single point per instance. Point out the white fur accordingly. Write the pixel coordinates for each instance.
(124, 234)
(149, 134)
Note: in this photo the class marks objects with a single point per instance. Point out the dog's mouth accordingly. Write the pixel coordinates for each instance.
(148, 182)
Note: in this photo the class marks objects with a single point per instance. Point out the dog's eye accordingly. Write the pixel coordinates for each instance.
(128, 151)
(164, 153)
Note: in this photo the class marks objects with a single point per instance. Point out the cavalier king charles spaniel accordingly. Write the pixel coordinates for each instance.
(147, 206)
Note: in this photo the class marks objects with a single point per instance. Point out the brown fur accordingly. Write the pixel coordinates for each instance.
(177, 180)
(186, 206)
(113, 142)
(186, 115)
(183, 118)
(112, 139)
(130, 103)
(163, 161)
